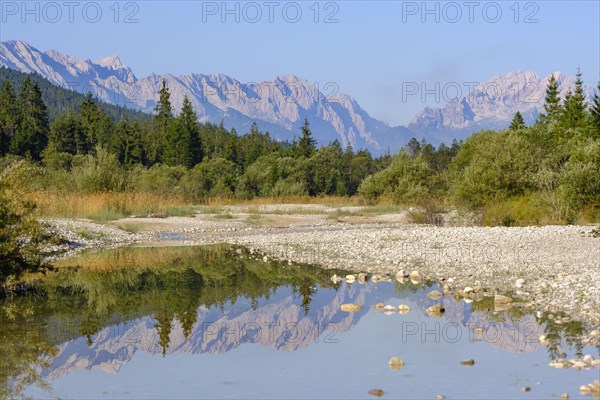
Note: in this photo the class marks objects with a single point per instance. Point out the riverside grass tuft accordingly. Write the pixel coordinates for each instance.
(108, 206)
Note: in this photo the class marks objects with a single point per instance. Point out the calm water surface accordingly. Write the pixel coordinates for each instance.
(211, 323)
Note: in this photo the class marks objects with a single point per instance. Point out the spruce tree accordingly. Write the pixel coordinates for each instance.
(306, 145)
(9, 116)
(230, 153)
(127, 142)
(574, 110)
(183, 146)
(89, 114)
(255, 147)
(517, 123)
(31, 136)
(413, 147)
(552, 106)
(66, 134)
(163, 124)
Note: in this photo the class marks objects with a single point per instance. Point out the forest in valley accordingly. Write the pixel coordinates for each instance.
(79, 144)
(57, 144)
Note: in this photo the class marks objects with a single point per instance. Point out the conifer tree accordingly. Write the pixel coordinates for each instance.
(574, 110)
(182, 146)
(66, 134)
(306, 145)
(9, 116)
(413, 147)
(254, 147)
(231, 153)
(127, 142)
(31, 136)
(90, 116)
(188, 122)
(518, 122)
(164, 326)
(163, 122)
(552, 105)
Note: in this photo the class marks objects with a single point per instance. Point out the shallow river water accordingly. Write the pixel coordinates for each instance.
(213, 323)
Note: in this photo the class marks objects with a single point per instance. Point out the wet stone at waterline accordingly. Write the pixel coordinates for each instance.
(222, 323)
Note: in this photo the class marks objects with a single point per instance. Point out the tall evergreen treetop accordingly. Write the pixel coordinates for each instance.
(164, 110)
(574, 112)
(552, 105)
(32, 136)
(518, 122)
(163, 120)
(67, 136)
(90, 115)
(307, 144)
(188, 126)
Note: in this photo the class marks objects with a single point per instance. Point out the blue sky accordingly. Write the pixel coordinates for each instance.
(373, 50)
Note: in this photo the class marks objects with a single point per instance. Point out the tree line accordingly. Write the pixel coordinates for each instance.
(545, 173)
(541, 174)
(172, 147)
(553, 163)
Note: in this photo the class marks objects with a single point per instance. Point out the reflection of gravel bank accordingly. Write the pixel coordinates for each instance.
(559, 264)
(77, 235)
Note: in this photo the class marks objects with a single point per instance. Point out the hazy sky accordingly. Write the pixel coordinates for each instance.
(369, 49)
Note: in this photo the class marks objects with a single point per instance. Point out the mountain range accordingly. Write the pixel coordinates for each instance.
(281, 105)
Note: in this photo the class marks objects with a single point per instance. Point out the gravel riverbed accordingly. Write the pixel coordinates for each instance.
(549, 268)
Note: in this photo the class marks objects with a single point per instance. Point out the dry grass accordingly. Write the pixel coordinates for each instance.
(332, 201)
(108, 206)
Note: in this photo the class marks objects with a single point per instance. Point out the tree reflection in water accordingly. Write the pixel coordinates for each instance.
(88, 293)
(84, 295)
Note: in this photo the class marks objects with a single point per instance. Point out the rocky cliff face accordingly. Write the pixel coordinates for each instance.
(280, 105)
(490, 105)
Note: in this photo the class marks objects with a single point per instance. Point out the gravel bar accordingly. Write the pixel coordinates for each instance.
(547, 268)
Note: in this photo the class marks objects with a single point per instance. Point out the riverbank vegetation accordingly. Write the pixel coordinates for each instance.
(546, 173)
(78, 157)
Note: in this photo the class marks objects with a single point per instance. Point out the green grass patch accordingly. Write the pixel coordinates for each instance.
(89, 234)
(519, 211)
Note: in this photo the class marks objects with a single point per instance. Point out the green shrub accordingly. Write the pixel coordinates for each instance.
(407, 179)
(285, 188)
(519, 211)
(215, 177)
(99, 173)
(493, 166)
(162, 179)
(20, 233)
(580, 178)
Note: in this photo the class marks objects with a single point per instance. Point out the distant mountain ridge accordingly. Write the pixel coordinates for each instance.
(491, 105)
(280, 105)
(59, 99)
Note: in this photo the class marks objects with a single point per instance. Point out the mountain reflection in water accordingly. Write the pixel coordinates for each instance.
(99, 310)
